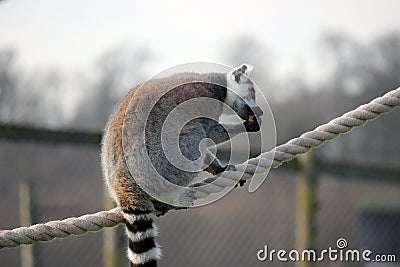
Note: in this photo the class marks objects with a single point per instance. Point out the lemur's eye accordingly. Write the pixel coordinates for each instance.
(237, 75)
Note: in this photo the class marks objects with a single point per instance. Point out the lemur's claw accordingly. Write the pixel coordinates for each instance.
(241, 183)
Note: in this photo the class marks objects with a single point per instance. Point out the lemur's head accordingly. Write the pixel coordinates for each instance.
(241, 96)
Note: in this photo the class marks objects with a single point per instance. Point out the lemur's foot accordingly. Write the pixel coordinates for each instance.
(215, 170)
(162, 208)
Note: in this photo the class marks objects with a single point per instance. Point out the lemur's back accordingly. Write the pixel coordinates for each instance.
(185, 86)
(115, 170)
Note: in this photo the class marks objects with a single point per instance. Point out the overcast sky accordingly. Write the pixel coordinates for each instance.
(70, 34)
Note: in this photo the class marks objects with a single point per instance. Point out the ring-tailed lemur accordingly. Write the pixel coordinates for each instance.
(138, 207)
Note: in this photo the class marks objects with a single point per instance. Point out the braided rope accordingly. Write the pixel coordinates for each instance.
(273, 158)
(60, 229)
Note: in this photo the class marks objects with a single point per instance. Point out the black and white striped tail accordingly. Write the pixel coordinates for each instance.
(143, 251)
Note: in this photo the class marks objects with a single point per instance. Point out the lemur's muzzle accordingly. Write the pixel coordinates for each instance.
(251, 122)
(254, 111)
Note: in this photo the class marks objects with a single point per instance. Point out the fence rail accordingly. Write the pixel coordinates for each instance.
(25, 133)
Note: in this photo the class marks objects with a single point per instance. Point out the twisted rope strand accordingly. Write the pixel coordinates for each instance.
(60, 229)
(260, 164)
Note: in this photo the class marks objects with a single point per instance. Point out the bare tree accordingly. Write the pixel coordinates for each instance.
(360, 73)
(116, 71)
(357, 73)
(8, 85)
(41, 99)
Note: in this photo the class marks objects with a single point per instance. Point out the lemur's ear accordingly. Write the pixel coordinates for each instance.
(242, 69)
(246, 69)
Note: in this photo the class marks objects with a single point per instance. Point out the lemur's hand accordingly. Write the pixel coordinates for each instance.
(252, 124)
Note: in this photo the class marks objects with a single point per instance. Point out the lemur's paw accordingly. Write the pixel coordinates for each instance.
(252, 125)
(216, 170)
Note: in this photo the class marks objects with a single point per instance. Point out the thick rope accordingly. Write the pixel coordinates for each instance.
(60, 229)
(260, 164)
